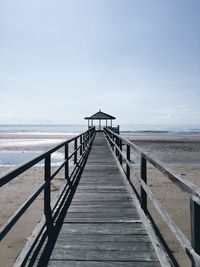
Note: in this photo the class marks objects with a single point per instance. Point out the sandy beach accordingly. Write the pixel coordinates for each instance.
(182, 154)
(17, 191)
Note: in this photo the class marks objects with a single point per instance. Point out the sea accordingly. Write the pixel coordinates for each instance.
(125, 129)
(15, 157)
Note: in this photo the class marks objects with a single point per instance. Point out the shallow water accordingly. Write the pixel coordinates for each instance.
(11, 158)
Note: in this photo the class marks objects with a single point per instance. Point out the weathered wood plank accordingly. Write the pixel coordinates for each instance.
(105, 197)
(114, 204)
(101, 217)
(143, 238)
(90, 255)
(97, 245)
(101, 209)
(106, 237)
(101, 189)
(58, 263)
(94, 195)
(99, 183)
(103, 228)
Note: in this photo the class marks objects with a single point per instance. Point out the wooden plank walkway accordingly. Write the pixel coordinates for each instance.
(102, 226)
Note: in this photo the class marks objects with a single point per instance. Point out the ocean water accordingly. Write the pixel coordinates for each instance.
(126, 129)
(42, 129)
(13, 158)
(9, 157)
(160, 130)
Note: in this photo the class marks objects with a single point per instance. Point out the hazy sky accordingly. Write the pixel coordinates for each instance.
(138, 60)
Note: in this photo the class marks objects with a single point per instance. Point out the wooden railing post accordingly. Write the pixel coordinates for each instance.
(67, 163)
(75, 148)
(111, 136)
(81, 146)
(47, 191)
(117, 143)
(120, 156)
(128, 158)
(195, 227)
(143, 173)
(84, 142)
(88, 137)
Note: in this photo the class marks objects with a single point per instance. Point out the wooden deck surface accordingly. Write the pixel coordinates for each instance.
(102, 226)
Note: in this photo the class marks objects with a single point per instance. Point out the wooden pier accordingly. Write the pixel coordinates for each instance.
(102, 226)
(99, 220)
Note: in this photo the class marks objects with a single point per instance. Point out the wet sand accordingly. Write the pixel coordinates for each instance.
(181, 153)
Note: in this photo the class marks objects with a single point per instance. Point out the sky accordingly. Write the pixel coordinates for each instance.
(138, 60)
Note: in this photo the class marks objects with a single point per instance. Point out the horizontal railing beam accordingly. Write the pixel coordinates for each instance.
(186, 186)
(193, 191)
(25, 166)
(45, 185)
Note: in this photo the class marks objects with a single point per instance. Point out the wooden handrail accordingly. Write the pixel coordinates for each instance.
(191, 248)
(85, 143)
(4, 179)
(192, 190)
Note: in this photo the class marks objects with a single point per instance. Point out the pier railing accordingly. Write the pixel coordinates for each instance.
(122, 149)
(81, 145)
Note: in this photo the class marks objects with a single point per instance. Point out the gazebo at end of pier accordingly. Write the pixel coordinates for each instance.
(102, 116)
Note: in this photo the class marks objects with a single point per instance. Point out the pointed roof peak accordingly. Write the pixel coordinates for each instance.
(100, 116)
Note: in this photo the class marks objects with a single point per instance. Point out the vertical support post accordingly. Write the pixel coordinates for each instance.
(81, 146)
(83, 142)
(67, 163)
(128, 158)
(120, 146)
(90, 135)
(117, 143)
(113, 138)
(75, 154)
(87, 138)
(143, 174)
(195, 229)
(47, 191)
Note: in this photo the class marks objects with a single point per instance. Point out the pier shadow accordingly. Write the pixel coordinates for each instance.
(41, 249)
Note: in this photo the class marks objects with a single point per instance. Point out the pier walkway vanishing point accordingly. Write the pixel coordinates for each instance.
(98, 220)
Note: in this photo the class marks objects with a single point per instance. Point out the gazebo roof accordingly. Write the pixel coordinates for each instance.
(100, 116)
